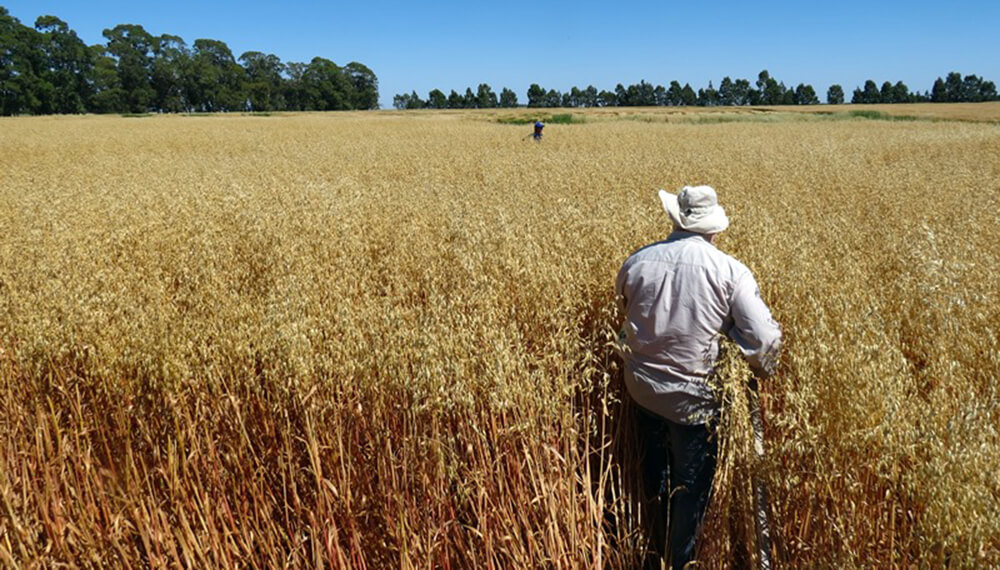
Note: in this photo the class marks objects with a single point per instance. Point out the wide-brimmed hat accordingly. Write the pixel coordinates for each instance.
(695, 209)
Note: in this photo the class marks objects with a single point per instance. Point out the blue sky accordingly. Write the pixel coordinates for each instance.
(558, 44)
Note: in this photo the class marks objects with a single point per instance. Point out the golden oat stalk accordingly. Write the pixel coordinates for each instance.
(736, 525)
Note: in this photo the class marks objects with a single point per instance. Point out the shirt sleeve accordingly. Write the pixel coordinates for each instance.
(754, 329)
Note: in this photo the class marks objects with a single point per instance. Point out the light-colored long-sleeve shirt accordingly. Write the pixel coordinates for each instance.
(678, 296)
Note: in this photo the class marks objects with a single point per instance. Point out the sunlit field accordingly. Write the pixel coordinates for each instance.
(383, 340)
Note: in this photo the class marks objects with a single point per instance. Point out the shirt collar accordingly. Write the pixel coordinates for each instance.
(678, 235)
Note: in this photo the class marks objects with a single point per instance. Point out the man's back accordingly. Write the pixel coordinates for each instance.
(678, 296)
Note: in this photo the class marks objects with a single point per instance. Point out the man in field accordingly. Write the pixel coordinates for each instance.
(678, 296)
(537, 134)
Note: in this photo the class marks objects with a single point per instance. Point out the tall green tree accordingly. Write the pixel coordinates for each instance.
(970, 89)
(975, 89)
(787, 95)
(436, 99)
(415, 102)
(171, 74)
(131, 47)
(939, 93)
(622, 96)
(263, 80)
(953, 87)
(218, 81)
(553, 98)
(23, 87)
(643, 94)
(675, 94)
(10, 100)
(805, 95)
(469, 101)
(726, 95)
(742, 92)
(293, 88)
(688, 96)
(660, 95)
(536, 95)
(364, 85)
(708, 97)
(988, 91)
(572, 98)
(835, 95)
(769, 91)
(870, 93)
(108, 95)
(901, 93)
(67, 65)
(485, 97)
(328, 88)
(508, 98)
(886, 94)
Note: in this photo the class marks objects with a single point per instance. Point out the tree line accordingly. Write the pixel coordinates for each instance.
(49, 69)
(766, 90)
(954, 88)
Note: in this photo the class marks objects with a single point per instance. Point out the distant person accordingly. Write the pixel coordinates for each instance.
(679, 296)
(537, 135)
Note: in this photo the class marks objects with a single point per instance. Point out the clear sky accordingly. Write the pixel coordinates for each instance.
(558, 44)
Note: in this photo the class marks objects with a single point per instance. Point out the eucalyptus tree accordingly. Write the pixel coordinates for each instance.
(364, 86)
(171, 73)
(217, 82)
(436, 99)
(131, 48)
(326, 86)
(67, 63)
(485, 97)
(263, 81)
(23, 88)
(835, 95)
(508, 98)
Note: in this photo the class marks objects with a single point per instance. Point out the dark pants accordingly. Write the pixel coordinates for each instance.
(680, 458)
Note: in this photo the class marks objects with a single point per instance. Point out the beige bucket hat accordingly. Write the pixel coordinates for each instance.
(695, 209)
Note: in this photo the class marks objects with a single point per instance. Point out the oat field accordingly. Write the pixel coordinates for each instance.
(382, 340)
